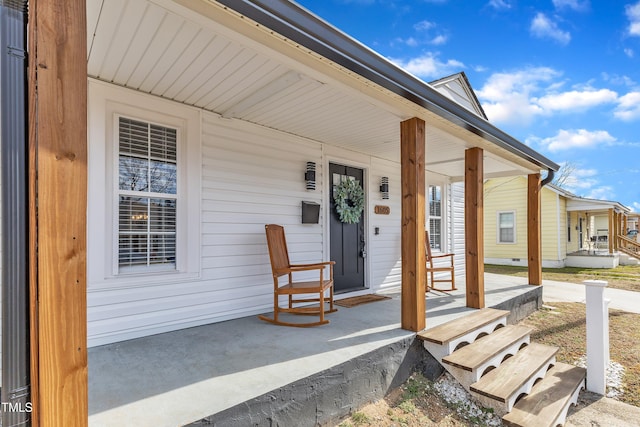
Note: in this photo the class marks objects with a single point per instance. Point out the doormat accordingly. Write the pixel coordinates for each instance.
(362, 299)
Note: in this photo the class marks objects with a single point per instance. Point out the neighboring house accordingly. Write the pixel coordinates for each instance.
(572, 227)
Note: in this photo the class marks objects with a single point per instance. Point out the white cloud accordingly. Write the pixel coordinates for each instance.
(575, 100)
(519, 97)
(604, 192)
(499, 4)
(628, 107)
(629, 52)
(580, 181)
(506, 97)
(580, 138)
(412, 42)
(429, 65)
(576, 5)
(424, 25)
(439, 40)
(543, 27)
(633, 13)
(635, 207)
(585, 183)
(620, 80)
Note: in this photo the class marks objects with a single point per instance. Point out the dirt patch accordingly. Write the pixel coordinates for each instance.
(420, 402)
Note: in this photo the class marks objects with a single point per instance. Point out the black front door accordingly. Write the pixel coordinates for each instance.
(347, 244)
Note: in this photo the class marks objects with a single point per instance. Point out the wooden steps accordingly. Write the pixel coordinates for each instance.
(443, 339)
(499, 365)
(502, 386)
(473, 360)
(544, 406)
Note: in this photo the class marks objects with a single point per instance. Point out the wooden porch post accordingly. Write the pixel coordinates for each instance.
(611, 226)
(474, 226)
(412, 151)
(58, 209)
(617, 227)
(534, 233)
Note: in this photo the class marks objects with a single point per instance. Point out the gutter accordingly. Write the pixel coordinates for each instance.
(15, 392)
(299, 25)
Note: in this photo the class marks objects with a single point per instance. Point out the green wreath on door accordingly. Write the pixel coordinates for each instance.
(349, 198)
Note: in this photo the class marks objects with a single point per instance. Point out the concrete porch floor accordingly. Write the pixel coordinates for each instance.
(180, 377)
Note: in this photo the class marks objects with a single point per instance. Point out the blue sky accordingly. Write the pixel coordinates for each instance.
(562, 76)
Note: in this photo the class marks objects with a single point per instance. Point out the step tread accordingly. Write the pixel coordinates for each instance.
(478, 352)
(501, 383)
(548, 398)
(458, 327)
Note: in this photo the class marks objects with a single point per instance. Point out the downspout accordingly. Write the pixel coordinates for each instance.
(550, 174)
(15, 393)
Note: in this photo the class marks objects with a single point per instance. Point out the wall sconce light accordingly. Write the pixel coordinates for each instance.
(384, 187)
(310, 176)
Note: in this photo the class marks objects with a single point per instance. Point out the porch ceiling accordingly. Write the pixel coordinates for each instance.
(207, 56)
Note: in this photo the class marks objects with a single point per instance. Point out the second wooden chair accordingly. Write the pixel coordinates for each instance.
(432, 268)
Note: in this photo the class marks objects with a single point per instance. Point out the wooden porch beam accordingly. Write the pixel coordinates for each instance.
(58, 209)
(534, 229)
(412, 152)
(474, 226)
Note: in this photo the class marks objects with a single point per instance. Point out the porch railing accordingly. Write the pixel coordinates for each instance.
(628, 246)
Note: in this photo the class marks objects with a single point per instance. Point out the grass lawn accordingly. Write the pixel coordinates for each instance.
(623, 277)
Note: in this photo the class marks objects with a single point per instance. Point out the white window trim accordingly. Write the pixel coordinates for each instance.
(106, 103)
(515, 228)
(444, 214)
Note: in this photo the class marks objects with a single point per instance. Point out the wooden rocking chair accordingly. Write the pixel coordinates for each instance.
(433, 269)
(281, 266)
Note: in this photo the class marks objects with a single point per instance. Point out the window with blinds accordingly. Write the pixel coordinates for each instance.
(435, 217)
(147, 195)
(506, 227)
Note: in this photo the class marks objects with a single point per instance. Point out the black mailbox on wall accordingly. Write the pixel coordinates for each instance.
(310, 212)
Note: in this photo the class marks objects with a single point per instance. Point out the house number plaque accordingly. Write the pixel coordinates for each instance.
(382, 210)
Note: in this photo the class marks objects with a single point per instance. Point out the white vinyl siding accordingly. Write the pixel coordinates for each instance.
(384, 251)
(250, 176)
(456, 225)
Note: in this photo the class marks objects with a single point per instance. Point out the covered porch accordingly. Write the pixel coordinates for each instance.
(602, 228)
(241, 82)
(243, 370)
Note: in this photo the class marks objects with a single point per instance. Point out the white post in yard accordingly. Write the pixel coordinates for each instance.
(597, 336)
